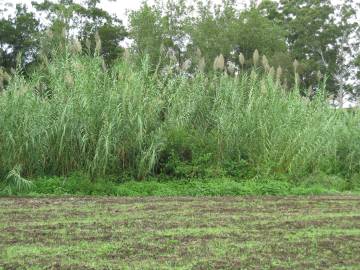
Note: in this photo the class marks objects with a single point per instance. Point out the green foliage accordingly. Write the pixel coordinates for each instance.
(87, 19)
(146, 30)
(79, 184)
(320, 35)
(19, 39)
(15, 183)
(182, 35)
(126, 121)
(157, 28)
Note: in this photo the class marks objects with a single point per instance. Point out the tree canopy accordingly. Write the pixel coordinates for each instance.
(322, 37)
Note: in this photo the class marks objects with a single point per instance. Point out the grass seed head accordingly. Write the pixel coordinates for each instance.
(126, 54)
(297, 78)
(256, 57)
(201, 64)
(272, 72)
(18, 59)
(103, 65)
(97, 43)
(219, 63)
(241, 59)
(265, 62)
(76, 47)
(285, 84)
(186, 65)
(279, 72)
(1, 80)
(88, 44)
(296, 65)
(4, 75)
(263, 88)
(64, 33)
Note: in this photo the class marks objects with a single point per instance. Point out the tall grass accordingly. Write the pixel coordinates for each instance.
(73, 115)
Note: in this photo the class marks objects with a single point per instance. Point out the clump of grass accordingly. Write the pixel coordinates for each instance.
(120, 120)
(14, 182)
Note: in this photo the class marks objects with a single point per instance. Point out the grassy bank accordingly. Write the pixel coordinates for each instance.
(73, 114)
(81, 186)
(180, 233)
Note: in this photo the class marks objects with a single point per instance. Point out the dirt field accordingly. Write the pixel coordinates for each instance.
(180, 233)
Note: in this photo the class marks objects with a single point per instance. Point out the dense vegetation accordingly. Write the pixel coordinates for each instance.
(72, 100)
(74, 114)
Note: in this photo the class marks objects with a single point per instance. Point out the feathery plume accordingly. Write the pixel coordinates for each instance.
(241, 60)
(18, 59)
(64, 33)
(219, 63)
(265, 62)
(297, 79)
(186, 65)
(88, 44)
(272, 72)
(296, 65)
(263, 89)
(278, 74)
(97, 43)
(1, 79)
(126, 54)
(76, 46)
(103, 65)
(5, 75)
(256, 57)
(201, 64)
(285, 84)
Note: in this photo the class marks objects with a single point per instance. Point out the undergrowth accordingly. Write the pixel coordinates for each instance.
(79, 185)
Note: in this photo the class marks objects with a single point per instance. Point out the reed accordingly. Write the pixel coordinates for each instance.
(124, 120)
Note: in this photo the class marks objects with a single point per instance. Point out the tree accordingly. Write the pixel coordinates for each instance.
(214, 29)
(84, 21)
(147, 32)
(319, 35)
(159, 28)
(348, 46)
(19, 39)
